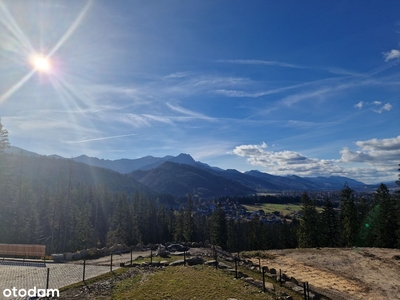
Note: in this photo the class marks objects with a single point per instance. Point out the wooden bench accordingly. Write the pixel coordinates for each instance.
(24, 250)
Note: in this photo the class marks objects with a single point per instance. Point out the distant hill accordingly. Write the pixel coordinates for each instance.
(48, 171)
(179, 175)
(181, 179)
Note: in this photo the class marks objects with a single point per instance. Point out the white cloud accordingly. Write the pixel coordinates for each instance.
(359, 104)
(376, 158)
(380, 108)
(392, 54)
(386, 107)
(286, 162)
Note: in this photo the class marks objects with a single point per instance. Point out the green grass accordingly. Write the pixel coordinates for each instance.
(283, 209)
(198, 282)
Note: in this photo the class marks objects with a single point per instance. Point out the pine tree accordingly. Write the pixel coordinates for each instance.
(308, 234)
(330, 235)
(189, 227)
(386, 218)
(348, 216)
(218, 227)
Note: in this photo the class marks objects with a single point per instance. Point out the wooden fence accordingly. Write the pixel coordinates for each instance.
(26, 250)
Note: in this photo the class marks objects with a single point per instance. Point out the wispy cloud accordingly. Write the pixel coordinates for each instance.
(188, 112)
(375, 106)
(260, 62)
(392, 54)
(100, 138)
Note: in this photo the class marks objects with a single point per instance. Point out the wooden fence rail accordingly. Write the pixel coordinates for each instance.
(22, 250)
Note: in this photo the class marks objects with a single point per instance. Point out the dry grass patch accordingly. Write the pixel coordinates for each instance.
(199, 282)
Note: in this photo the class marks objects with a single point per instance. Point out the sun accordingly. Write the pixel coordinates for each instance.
(40, 63)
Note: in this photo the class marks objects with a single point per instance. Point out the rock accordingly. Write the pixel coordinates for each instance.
(155, 263)
(195, 261)
(294, 280)
(285, 277)
(272, 271)
(177, 262)
(223, 266)
(288, 298)
(68, 256)
(162, 251)
(83, 253)
(76, 255)
(249, 279)
(298, 289)
(258, 283)
(59, 257)
(164, 263)
(210, 263)
(269, 286)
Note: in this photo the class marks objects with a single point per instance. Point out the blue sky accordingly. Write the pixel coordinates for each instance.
(286, 87)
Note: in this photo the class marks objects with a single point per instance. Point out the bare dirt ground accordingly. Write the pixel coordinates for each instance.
(346, 273)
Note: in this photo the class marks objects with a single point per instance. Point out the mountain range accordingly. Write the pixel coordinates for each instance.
(180, 175)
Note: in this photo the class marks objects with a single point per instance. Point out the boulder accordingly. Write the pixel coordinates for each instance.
(285, 277)
(272, 271)
(76, 255)
(83, 253)
(59, 257)
(162, 251)
(197, 260)
(68, 256)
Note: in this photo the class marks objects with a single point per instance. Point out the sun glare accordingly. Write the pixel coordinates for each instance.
(41, 63)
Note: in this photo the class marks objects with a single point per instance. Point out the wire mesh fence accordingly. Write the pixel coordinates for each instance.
(19, 276)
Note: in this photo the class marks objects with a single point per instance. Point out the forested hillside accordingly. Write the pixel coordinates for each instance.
(70, 206)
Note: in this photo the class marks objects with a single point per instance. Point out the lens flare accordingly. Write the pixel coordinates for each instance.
(41, 63)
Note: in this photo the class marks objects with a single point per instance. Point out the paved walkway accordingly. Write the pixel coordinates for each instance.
(26, 275)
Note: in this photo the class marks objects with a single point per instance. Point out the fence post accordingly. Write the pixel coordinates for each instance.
(280, 277)
(151, 256)
(131, 257)
(305, 291)
(263, 275)
(84, 270)
(259, 264)
(47, 282)
(236, 267)
(111, 262)
(308, 291)
(184, 258)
